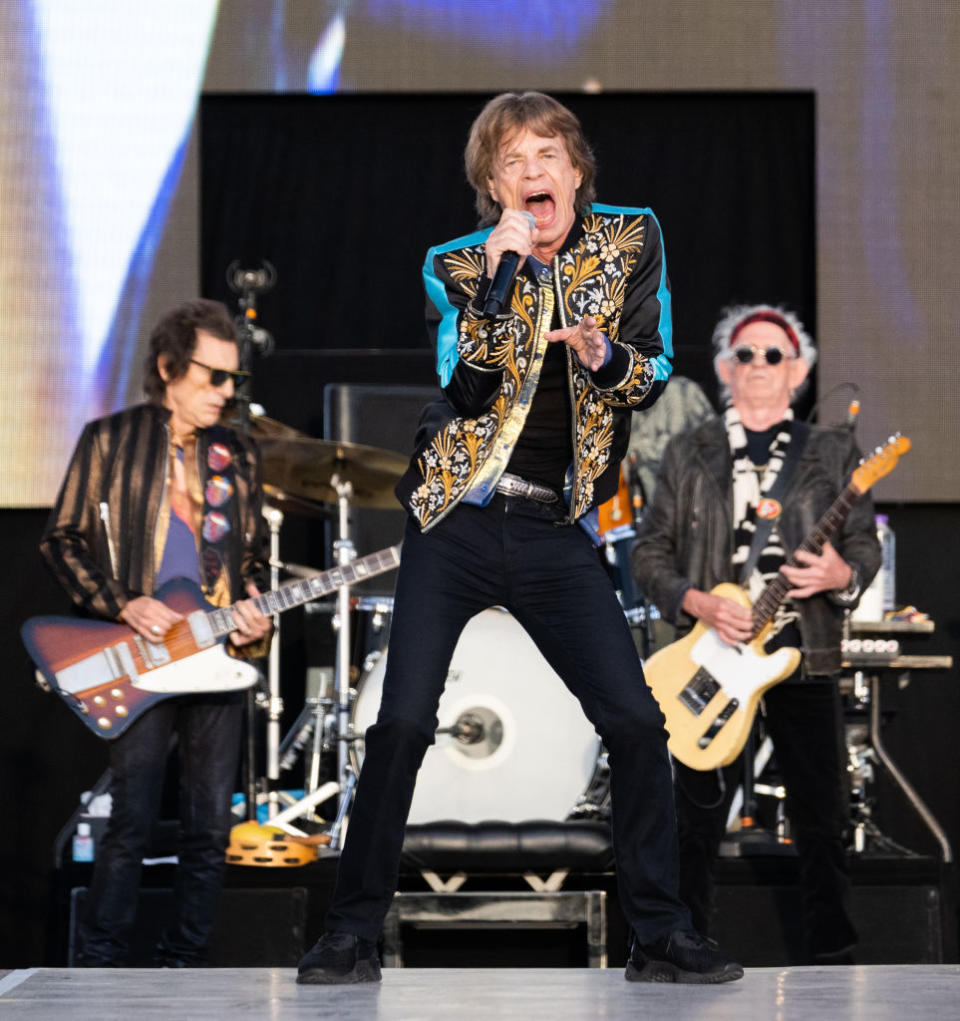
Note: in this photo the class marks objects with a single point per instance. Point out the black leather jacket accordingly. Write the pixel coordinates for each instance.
(686, 539)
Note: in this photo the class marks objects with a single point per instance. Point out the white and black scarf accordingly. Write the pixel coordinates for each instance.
(749, 488)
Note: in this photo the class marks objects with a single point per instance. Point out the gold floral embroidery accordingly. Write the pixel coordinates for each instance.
(593, 279)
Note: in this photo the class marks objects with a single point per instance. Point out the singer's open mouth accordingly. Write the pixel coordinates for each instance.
(541, 204)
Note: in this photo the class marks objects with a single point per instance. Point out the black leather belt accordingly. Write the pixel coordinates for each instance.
(513, 485)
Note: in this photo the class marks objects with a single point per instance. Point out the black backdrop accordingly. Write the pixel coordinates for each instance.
(343, 194)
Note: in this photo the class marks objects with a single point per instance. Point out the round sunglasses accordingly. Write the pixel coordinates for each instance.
(219, 376)
(745, 353)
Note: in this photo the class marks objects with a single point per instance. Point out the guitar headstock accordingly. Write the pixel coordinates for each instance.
(881, 462)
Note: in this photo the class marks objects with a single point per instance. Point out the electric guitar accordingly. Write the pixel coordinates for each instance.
(109, 675)
(709, 690)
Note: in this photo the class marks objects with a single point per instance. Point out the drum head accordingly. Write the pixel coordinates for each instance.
(523, 750)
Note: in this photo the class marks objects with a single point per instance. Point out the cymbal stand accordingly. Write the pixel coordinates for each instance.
(274, 518)
(345, 781)
(344, 552)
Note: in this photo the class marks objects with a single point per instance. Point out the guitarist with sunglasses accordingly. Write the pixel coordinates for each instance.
(158, 492)
(720, 515)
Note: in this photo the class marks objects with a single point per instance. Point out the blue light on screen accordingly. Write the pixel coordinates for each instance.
(515, 25)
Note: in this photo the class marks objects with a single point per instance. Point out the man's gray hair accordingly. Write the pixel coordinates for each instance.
(735, 317)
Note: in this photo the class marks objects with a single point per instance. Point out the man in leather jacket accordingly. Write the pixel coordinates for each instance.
(697, 533)
(156, 492)
(507, 470)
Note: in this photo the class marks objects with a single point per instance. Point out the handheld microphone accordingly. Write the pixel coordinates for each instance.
(503, 278)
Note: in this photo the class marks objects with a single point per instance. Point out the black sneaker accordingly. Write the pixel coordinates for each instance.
(680, 956)
(339, 958)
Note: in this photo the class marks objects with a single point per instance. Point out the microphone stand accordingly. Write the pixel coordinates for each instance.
(252, 341)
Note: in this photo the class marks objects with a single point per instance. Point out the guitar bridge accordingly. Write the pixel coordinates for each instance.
(718, 724)
(698, 691)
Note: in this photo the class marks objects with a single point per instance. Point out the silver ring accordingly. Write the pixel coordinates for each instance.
(156, 629)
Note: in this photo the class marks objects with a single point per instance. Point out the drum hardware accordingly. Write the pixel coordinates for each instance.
(274, 706)
(320, 472)
(594, 803)
(479, 731)
(746, 836)
(512, 742)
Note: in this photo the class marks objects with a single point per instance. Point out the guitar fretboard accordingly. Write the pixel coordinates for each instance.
(296, 593)
(824, 530)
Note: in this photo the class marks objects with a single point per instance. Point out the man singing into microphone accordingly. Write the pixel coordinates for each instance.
(501, 492)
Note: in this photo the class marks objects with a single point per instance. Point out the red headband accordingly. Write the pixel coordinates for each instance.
(767, 317)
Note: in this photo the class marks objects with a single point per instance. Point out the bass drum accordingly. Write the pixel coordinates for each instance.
(513, 743)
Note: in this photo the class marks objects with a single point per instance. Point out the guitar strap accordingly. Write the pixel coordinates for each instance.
(798, 440)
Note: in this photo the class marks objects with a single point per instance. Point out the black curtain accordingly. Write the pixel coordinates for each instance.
(345, 193)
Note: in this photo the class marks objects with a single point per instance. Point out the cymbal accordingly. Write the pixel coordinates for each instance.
(261, 427)
(305, 467)
(290, 504)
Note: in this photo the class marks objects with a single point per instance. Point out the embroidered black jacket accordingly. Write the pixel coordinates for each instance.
(611, 267)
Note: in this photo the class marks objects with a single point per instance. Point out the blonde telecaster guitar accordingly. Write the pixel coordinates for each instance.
(709, 690)
(108, 675)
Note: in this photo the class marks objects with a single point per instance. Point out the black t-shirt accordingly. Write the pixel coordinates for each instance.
(544, 449)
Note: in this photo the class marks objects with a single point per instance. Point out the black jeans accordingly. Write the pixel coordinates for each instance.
(208, 728)
(517, 554)
(804, 720)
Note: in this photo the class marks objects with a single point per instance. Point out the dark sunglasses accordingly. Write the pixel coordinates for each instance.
(745, 353)
(219, 376)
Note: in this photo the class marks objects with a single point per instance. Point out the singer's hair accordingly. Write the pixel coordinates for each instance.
(174, 338)
(734, 317)
(509, 113)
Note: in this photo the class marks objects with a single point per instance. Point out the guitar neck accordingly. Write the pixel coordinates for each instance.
(296, 593)
(824, 530)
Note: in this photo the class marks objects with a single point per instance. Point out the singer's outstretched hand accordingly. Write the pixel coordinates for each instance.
(586, 339)
(512, 234)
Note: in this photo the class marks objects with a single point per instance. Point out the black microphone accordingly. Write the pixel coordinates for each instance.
(503, 278)
(251, 280)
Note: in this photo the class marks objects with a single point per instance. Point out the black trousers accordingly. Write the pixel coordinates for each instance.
(518, 554)
(804, 721)
(208, 728)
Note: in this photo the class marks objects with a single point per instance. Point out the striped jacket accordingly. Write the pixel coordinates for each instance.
(612, 267)
(102, 540)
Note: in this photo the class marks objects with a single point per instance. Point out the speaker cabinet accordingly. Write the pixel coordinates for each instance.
(902, 913)
(255, 928)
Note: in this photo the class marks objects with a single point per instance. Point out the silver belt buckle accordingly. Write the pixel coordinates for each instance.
(513, 485)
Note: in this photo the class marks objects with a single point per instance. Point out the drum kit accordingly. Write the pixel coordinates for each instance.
(512, 744)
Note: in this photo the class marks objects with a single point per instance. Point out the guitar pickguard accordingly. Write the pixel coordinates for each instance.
(208, 670)
(739, 669)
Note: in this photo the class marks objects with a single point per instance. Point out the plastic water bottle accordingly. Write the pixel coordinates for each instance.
(83, 843)
(888, 563)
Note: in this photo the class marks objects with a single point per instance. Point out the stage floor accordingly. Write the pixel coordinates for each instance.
(877, 992)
